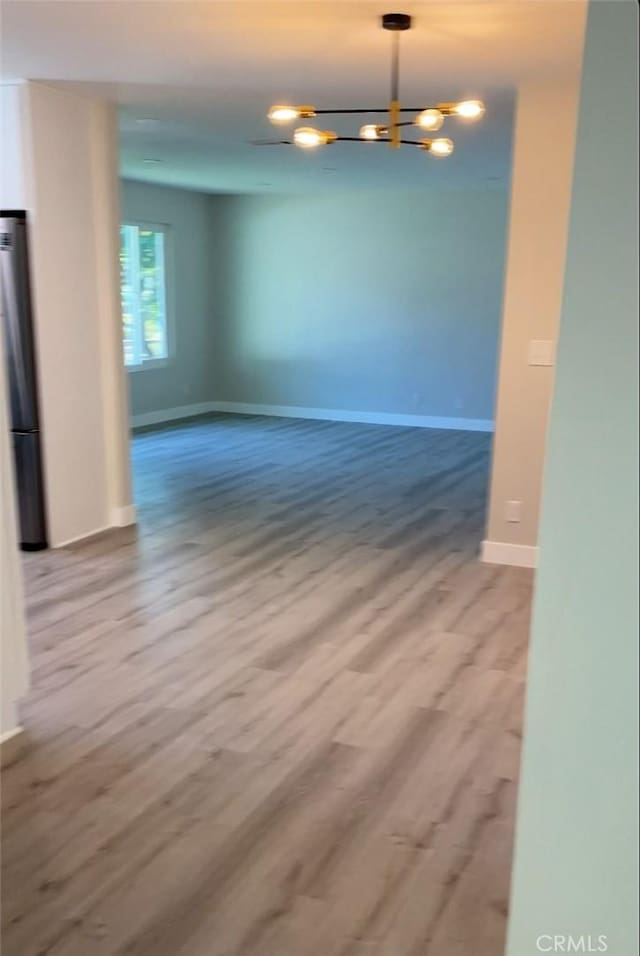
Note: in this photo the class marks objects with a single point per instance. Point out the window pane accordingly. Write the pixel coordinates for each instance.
(127, 293)
(152, 294)
(142, 280)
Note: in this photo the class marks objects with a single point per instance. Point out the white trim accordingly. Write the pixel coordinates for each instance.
(172, 414)
(124, 516)
(369, 418)
(517, 555)
(10, 734)
(322, 414)
(12, 744)
(149, 363)
(81, 537)
(121, 517)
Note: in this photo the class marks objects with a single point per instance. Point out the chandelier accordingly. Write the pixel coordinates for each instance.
(429, 119)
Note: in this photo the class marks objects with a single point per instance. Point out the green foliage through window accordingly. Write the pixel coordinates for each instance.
(143, 293)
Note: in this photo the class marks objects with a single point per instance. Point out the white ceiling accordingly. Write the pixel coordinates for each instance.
(193, 81)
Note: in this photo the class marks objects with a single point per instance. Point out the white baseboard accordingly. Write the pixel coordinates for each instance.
(119, 518)
(123, 517)
(368, 418)
(12, 745)
(80, 537)
(517, 555)
(321, 414)
(171, 414)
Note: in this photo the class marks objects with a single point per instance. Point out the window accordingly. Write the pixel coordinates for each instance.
(143, 293)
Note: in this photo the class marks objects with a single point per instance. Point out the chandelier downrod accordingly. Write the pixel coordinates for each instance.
(396, 23)
(395, 67)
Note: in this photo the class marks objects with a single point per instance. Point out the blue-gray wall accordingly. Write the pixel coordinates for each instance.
(375, 302)
(388, 302)
(577, 832)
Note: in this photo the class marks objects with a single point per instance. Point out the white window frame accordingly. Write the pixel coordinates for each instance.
(165, 229)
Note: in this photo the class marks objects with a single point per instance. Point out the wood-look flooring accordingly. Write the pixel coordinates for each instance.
(280, 718)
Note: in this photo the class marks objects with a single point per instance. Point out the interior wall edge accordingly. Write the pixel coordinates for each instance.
(123, 516)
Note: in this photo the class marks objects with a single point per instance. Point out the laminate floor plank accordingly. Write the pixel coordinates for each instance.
(280, 717)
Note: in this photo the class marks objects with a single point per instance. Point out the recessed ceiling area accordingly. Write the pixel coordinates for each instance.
(193, 82)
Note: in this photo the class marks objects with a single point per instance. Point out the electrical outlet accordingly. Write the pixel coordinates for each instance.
(513, 511)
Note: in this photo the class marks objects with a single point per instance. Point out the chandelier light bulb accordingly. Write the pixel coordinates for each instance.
(283, 114)
(371, 131)
(286, 114)
(469, 109)
(308, 138)
(438, 147)
(429, 119)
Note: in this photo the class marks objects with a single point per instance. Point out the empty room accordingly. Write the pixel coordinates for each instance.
(305, 396)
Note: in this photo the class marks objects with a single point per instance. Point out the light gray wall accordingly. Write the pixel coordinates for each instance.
(381, 302)
(576, 867)
(188, 376)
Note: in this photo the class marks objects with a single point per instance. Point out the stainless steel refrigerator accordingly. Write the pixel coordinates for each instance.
(17, 322)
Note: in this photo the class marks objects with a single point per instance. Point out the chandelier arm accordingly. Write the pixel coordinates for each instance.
(380, 139)
(338, 139)
(382, 109)
(355, 139)
(359, 139)
(356, 112)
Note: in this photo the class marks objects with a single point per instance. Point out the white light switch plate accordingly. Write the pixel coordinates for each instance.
(512, 511)
(541, 352)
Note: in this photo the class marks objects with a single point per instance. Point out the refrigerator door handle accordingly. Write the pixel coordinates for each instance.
(15, 305)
